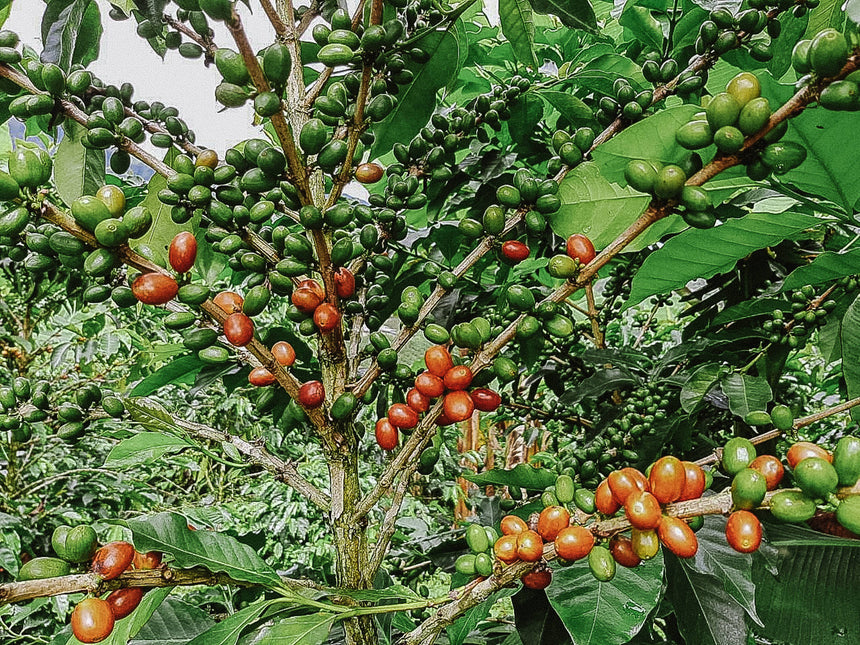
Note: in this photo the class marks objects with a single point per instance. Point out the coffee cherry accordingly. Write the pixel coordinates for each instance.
(438, 360)
(261, 377)
(579, 247)
(537, 579)
(513, 525)
(326, 317)
(284, 353)
(182, 252)
(402, 416)
(229, 301)
(154, 288)
(368, 173)
(312, 394)
(386, 434)
(458, 406)
(112, 559)
(124, 601)
(429, 385)
(239, 329)
(515, 251)
(743, 531)
(92, 620)
(621, 548)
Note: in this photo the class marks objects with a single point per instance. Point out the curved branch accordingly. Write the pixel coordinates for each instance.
(283, 471)
(93, 583)
(802, 422)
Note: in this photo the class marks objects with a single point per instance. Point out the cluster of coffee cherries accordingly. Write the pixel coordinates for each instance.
(806, 316)
(442, 378)
(93, 618)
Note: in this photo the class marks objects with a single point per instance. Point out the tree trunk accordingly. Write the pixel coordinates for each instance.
(350, 541)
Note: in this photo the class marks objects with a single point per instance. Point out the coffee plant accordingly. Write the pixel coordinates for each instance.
(556, 318)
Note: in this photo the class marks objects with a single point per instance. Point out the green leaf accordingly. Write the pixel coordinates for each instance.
(592, 206)
(792, 31)
(299, 630)
(143, 448)
(219, 553)
(182, 370)
(850, 338)
(641, 24)
(227, 632)
(570, 107)
(173, 623)
(829, 161)
(652, 139)
(746, 393)
(824, 268)
(813, 596)
(416, 101)
(748, 309)
(77, 170)
(697, 253)
(521, 475)
(463, 626)
(163, 228)
(576, 14)
(519, 28)
(149, 414)
(525, 116)
(70, 31)
(605, 613)
(701, 381)
(536, 621)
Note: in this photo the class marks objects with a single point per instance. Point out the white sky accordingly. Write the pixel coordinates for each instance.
(185, 84)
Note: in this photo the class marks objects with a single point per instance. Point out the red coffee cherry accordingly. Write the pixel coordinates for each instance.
(239, 329)
(112, 559)
(182, 252)
(154, 288)
(229, 302)
(261, 377)
(92, 620)
(580, 248)
(312, 394)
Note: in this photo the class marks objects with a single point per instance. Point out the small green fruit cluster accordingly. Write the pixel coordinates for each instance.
(824, 55)
(724, 31)
(21, 406)
(569, 150)
(627, 102)
(805, 318)
(73, 416)
(479, 562)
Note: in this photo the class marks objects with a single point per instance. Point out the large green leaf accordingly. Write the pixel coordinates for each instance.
(824, 268)
(829, 164)
(652, 139)
(169, 533)
(519, 28)
(143, 448)
(697, 253)
(570, 107)
(71, 30)
(641, 24)
(576, 14)
(713, 590)
(700, 382)
(592, 206)
(77, 170)
(463, 626)
(521, 475)
(227, 632)
(850, 338)
(536, 621)
(299, 630)
(181, 370)
(416, 101)
(173, 623)
(813, 596)
(746, 393)
(605, 613)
